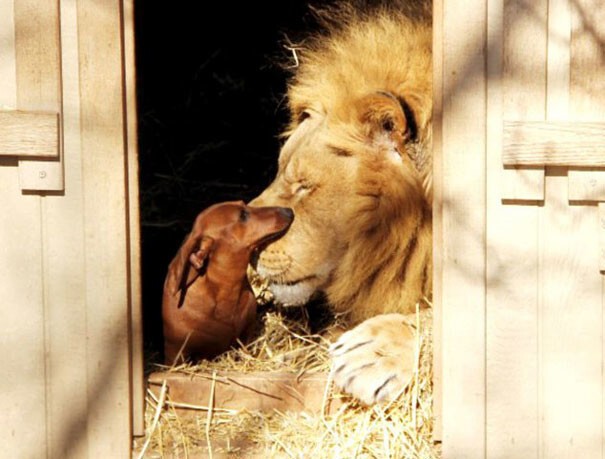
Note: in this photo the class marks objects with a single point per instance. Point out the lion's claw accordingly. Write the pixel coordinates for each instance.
(374, 361)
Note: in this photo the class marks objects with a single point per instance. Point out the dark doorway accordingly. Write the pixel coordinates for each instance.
(211, 105)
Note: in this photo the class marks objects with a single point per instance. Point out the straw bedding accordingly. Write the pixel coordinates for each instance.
(289, 341)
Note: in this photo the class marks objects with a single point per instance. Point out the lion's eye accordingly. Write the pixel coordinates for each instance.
(302, 188)
(303, 116)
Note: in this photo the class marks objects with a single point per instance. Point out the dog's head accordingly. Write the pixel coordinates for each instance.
(230, 230)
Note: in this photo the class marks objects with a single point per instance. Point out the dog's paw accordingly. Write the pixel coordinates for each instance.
(374, 361)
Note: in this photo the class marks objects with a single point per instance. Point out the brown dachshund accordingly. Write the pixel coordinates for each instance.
(208, 302)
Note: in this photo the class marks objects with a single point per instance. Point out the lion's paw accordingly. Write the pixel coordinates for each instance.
(374, 361)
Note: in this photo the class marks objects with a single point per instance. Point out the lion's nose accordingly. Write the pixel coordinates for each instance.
(287, 213)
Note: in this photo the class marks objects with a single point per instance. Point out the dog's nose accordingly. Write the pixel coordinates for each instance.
(287, 213)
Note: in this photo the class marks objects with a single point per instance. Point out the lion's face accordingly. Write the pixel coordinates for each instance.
(312, 178)
(330, 173)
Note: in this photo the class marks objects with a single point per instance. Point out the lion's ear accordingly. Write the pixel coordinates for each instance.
(386, 116)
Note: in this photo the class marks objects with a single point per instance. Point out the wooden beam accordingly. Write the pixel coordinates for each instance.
(29, 134)
(104, 176)
(249, 391)
(463, 228)
(553, 143)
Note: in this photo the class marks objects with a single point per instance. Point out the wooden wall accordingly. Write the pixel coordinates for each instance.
(520, 90)
(69, 281)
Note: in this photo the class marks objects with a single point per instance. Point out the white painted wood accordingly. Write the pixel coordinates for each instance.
(134, 241)
(553, 143)
(521, 183)
(558, 66)
(29, 134)
(463, 277)
(22, 386)
(41, 175)
(512, 232)
(586, 185)
(601, 229)
(38, 52)
(571, 287)
(523, 23)
(570, 326)
(437, 219)
(64, 274)
(8, 100)
(65, 266)
(105, 208)
(587, 103)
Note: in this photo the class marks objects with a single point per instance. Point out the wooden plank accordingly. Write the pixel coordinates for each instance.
(601, 217)
(248, 391)
(464, 150)
(64, 274)
(587, 91)
(520, 184)
(554, 143)
(587, 103)
(8, 68)
(512, 237)
(586, 185)
(38, 64)
(558, 65)
(134, 239)
(22, 317)
(137, 357)
(524, 43)
(571, 351)
(29, 134)
(437, 217)
(105, 209)
(571, 326)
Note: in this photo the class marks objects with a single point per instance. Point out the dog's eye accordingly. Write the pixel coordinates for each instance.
(243, 215)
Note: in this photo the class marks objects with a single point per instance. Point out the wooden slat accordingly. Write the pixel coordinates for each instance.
(586, 185)
(463, 287)
(249, 391)
(554, 143)
(587, 103)
(570, 326)
(587, 92)
(571, 311)
(105, 209)
(601, 229)
(437, 218)
(525, 42)
(23, 392)
(520, 184)
(38, 63)
(29, 134)
(517, 35)
(64, 274)
(558, 63)
(134, 240)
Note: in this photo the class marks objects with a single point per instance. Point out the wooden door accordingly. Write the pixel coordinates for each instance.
(69, 276)
(522, 312)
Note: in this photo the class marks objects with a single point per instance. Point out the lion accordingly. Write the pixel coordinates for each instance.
(356, 168)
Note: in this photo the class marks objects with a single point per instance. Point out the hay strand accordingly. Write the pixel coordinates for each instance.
(210, 412)
(156, 419)
(400, 428)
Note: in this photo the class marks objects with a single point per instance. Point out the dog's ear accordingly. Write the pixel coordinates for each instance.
(189, 260)
(389, 118)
